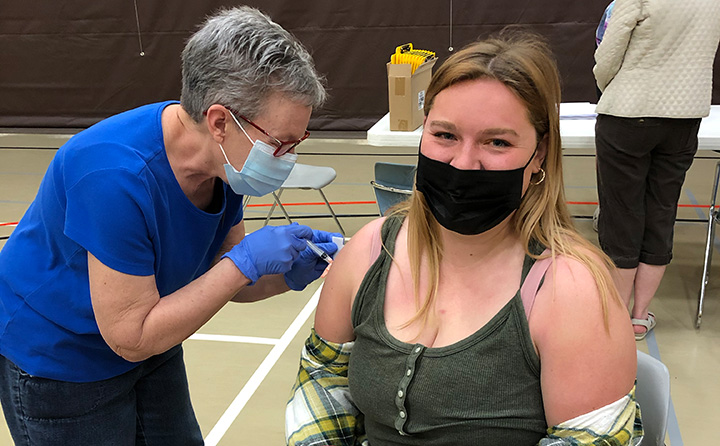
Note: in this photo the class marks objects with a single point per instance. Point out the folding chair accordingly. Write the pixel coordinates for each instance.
(393, 184)
(653, 396)
(306, 177)
(712, 220)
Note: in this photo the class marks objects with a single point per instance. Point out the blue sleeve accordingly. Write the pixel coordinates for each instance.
(239, 199)
(109, 213)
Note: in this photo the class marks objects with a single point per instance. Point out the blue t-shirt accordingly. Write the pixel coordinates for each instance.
(109, 190)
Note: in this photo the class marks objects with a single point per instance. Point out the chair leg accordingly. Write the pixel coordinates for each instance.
(342, 231)
(706, 266)
(712, 215)
(280, 205)
(270, 212)
(276, 202)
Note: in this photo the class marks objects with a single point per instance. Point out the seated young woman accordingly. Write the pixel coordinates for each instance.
(422, 335)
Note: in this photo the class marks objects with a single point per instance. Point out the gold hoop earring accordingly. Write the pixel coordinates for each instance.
(542, 178)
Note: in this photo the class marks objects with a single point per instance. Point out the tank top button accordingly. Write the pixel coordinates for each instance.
(402, 414)
(400, 393)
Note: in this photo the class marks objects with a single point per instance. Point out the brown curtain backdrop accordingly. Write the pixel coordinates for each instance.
(69, 64)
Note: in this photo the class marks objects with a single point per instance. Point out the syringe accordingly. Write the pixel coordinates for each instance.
(320, 253)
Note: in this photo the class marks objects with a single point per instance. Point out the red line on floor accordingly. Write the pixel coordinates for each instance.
(333, 203)
(319, 203)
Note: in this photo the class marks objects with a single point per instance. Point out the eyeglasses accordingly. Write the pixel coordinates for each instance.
(283, 147)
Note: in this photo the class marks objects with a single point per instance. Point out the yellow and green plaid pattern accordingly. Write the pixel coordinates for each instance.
(626, 430)
(320, 411)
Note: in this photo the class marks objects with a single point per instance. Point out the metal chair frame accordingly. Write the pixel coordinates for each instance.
(393, 183)
(305, 177)
(278, 203)
(713, 219)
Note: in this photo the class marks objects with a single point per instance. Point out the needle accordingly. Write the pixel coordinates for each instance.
(320, 253)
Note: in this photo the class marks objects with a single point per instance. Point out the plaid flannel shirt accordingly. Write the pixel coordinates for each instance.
(320, 410)
(617, 424)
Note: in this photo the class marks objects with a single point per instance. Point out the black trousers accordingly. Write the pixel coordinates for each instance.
(641, 167)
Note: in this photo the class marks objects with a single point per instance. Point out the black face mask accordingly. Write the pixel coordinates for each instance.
(469, 202)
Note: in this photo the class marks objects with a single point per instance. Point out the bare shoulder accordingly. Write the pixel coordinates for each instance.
(584, 339)
(361, 240)
(572, 283)
(333, 314)
(355, 257)
(570, 294)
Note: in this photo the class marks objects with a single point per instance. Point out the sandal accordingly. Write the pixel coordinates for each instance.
(648, 323)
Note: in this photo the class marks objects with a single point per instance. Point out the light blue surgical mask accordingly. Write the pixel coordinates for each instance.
(262, 172)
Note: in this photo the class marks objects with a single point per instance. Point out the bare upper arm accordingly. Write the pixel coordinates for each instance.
(234, 236)
(333, 315)
(121, 302)
(584, 366)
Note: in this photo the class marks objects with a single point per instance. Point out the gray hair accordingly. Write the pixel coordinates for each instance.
(238, 58)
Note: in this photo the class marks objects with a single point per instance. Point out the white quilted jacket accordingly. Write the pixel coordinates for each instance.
(656, 58)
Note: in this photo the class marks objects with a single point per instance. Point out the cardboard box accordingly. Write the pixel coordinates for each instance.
(406, 94)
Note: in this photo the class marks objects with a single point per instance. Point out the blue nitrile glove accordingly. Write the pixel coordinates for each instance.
(309, 267)
(269, 250)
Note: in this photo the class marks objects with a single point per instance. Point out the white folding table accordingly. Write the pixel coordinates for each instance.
(577, 129)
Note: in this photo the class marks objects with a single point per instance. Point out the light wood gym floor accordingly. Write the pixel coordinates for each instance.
(243, 362)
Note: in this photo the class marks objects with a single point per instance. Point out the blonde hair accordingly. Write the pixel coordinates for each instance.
(524, 63)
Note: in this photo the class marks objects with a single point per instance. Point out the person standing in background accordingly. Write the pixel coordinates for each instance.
(654, 68)
(136, 238)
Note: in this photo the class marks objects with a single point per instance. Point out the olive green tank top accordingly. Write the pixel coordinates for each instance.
(482, 390)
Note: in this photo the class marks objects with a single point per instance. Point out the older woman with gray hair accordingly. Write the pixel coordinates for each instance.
(136, 239)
